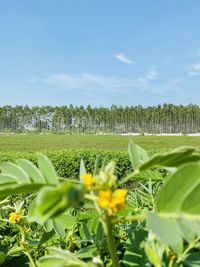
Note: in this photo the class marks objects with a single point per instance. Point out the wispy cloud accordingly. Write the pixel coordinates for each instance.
(151, 74)
(92, 84)
(194, 70)
(123, 58)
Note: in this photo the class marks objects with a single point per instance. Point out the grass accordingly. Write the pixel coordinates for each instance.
(34, 142)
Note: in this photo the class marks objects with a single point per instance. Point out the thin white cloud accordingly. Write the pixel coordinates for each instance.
(92, 84)
(151, 74)
(123, 58)
(194, 70)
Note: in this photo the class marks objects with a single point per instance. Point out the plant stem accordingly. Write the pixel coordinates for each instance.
(189, 247)
(107, 226)
(129, 177)
(24, 247)
(137, 217)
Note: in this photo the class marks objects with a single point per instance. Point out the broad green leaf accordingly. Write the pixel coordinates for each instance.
(5, 178)
(174, 159)
(48, 203)
(48, 225)
(167, 230)
(67, 221)
(178, 187)
(12, 169)
(51, 202)
(58, 229)
(33, 172)
(87, 214)
(188, 229)
(62, 222)
(61, 258)
(82, 170)
(47, 169)
(15, 189)
(137, 155)
(191, 204)
(149, 174)
(51, 261)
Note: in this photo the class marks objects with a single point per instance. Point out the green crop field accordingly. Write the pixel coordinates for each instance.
(43, 142)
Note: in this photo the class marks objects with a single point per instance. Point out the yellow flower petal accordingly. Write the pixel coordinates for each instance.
(114, 201)
(14, 217)
(88, 180)
(105, 197)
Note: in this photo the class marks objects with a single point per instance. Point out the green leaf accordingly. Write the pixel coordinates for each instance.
(167, 230)
(153, 256)
(51, 202)
(12, 169)
(96, 165)
(50, 261)
(67, 221)
(61, 258)
(33, 172)
(82, 170)
(2, 257)
(192, 260)
(5, 179)
(62, 222)
(137, 155)
(58, 229)
(135, 254)
(149, 174)
(48, 225)
(48, 203)
(14, 189)
(191, 204)
(84, 232)
(176, 158)
(87, 252)
(16, 250)
(186, 229)
(47, 169)
(178, 187)
(87, 214)
(45, 237)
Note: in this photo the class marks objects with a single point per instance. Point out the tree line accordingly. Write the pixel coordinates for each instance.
(166, 118)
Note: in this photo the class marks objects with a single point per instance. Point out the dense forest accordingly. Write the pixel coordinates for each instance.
(166, 118)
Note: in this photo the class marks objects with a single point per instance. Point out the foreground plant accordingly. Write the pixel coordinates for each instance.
(107, 201)
(66, 223)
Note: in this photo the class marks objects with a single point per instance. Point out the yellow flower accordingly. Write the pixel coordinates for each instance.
(105, 197)
(88, 180)
(118, 201)
(14, 217)
(114, 201)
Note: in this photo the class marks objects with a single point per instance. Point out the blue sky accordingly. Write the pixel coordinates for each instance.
(99, 52)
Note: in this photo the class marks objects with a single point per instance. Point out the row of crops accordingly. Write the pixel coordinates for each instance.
(115, 209)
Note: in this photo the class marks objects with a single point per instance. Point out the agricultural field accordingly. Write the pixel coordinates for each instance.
(52, 142)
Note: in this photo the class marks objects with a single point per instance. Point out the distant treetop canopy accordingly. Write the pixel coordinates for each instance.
(166, 118)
